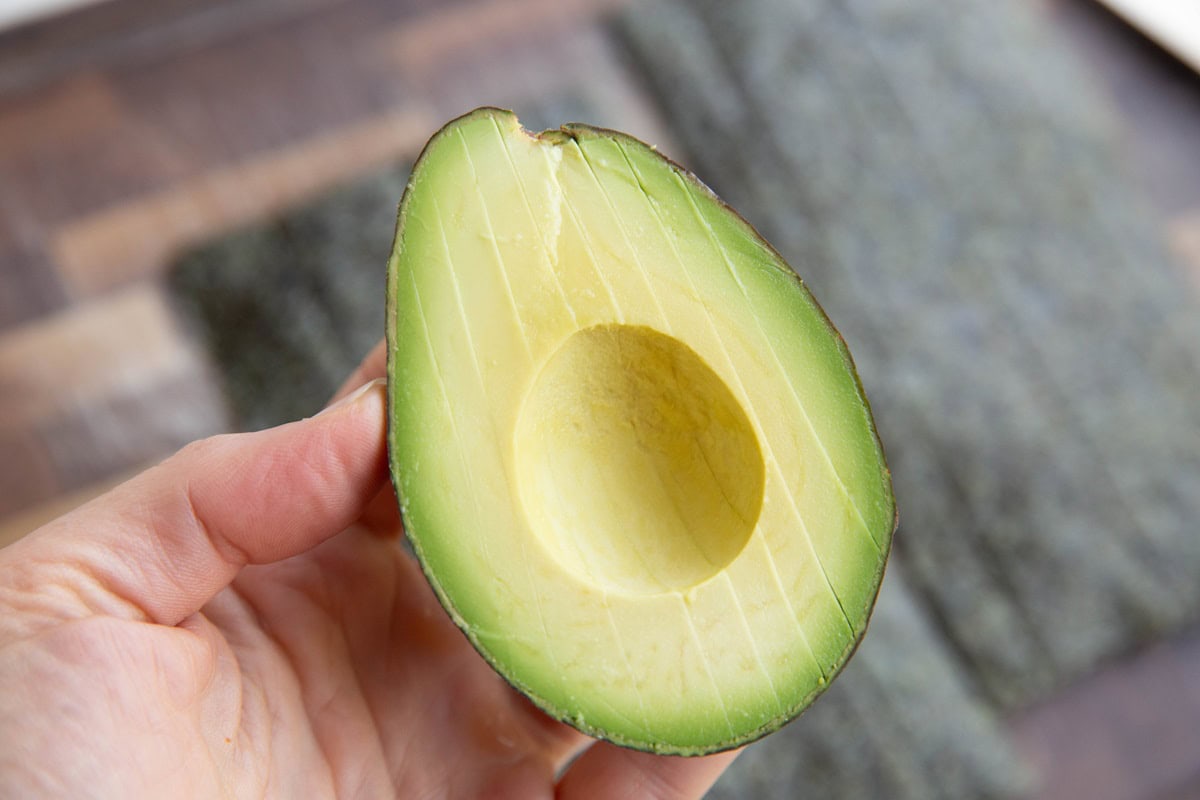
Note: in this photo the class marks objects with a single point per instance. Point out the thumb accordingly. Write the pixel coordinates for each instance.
(163, 544)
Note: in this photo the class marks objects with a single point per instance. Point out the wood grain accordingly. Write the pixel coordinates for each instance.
(101, 387)
(484, 23)
(1128, 731)
(137, 238)
(137, 128)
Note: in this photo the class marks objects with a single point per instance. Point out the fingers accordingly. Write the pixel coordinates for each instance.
(605, 771)
(161, 545)
(382, 514)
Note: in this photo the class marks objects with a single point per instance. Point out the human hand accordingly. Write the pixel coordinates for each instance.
(241, 621)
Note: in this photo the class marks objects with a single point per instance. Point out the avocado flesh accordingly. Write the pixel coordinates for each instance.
(631, 451)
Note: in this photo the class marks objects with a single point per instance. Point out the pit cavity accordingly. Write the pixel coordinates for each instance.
(637, 467)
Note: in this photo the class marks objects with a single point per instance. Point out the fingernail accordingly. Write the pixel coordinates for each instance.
(354, 396)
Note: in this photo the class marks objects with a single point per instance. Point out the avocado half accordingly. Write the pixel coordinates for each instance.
(632, 453)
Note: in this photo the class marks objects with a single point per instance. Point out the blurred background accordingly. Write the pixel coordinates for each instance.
(997, 203)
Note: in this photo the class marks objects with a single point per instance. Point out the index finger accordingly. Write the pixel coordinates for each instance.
(160, 546)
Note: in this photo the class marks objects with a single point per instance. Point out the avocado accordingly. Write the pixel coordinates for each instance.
(631, 452)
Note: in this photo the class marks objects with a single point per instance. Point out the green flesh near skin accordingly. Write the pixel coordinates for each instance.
(632, 453)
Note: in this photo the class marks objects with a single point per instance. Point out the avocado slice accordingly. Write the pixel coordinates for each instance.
(632, 453)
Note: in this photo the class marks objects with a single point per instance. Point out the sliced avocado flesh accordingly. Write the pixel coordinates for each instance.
(632, 453)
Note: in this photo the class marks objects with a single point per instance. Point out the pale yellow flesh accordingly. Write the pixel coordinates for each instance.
(636, 466)
(665, 522)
